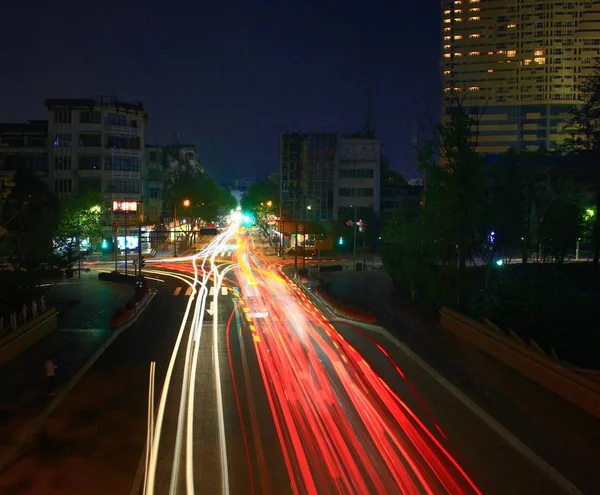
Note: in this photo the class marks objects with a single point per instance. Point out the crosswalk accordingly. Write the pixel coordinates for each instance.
(179, 291)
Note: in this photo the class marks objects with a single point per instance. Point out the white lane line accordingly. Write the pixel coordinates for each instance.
(212, 291)
(155, 279)
(486, 418)
(165, 390)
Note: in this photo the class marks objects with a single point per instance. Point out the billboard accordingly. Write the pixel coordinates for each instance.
(124, 206)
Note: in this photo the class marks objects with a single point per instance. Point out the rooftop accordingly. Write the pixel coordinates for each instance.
(92, 102)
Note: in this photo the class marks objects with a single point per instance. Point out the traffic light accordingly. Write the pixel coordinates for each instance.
(341, 241)
(142, 262)
(104, 245)
(247, 220)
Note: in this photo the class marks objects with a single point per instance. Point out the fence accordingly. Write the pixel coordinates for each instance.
(18, 319)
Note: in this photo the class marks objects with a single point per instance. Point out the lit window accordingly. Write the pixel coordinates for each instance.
(540, 60)
(490, 53)
(447, 47)
(500, 52)
(447, 38)
(511, 53)
(458, 36)
(490, 70)
(474, 18)
(527, 61)
(447, 21)
(446, 55)
(474, 88)
(446, 90)
(458, 89)
(446, 72)
(457, 19)
(537, 53)
(446, 29)
(458, 11)
(446, 12)
(475, 35)
(457, 2)
(511, 26)
(474, 53)
(476, 9)
(458, 54)
(473, 1)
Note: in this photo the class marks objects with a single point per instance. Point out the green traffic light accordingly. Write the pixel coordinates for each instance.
(104, 244)
(247, 219)
(341, 241)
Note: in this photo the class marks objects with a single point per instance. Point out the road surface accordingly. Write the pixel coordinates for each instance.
(265, 394)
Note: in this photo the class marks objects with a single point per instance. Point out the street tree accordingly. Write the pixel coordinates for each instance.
(584, 146)
(455, 195)
(29, 217)
(80, 217)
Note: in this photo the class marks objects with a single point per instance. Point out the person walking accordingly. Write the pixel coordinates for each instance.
(50, 371)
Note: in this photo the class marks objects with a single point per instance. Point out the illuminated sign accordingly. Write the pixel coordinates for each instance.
(124, 206)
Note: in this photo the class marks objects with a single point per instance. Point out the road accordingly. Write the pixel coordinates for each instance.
(264, 393)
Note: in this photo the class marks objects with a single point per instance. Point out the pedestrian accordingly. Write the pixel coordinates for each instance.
(50, 371)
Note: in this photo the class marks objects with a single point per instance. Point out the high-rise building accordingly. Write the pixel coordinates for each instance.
(98, 144)
(519, 65)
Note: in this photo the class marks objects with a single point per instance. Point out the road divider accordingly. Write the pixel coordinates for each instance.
(577, 389)
(124, 314)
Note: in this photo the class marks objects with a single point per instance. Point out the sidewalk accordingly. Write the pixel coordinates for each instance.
(85, 308)
(567, 437)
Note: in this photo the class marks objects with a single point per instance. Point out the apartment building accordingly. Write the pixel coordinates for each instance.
(519, 65)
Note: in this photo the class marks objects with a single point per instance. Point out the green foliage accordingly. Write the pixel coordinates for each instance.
(262, 198)
(206, 198)
(29, 217)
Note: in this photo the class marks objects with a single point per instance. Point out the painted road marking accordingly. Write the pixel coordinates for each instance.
(188, 291)
(223, 291)
(177, 291)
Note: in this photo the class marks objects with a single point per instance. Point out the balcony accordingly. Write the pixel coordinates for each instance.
(121, 129)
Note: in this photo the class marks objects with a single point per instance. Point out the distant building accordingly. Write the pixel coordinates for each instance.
(97, 144)
(24, 146)
(307, 165)
(181, 154)
(154, 177)
(402, 199)
(324, 175)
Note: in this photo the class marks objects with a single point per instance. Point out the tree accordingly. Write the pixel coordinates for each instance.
(30, 216)
(584, 146)
(455, 195)
(196, 196)
(80, 217)
(262, 198)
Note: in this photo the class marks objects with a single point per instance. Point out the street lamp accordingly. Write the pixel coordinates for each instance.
(186, 203)
(355, 222)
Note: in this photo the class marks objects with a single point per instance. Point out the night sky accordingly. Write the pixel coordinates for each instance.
(230, 76)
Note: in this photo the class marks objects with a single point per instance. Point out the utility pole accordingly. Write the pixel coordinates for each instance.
(364, 265)
(355, 222)
(175, 231)
(115, 244)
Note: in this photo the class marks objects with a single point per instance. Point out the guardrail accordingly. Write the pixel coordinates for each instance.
(25, 336)
(581, 391)
(132, 309)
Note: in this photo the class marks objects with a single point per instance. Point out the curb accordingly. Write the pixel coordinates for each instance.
(12, 451)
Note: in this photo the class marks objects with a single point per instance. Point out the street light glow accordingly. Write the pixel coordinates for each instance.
(186, 202)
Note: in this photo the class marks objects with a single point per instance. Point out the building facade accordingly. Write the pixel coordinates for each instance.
(307, 163)
(324, 174)
(97, 144)
(24, 146)
(519, 66)
(154, 179)
(357, 177)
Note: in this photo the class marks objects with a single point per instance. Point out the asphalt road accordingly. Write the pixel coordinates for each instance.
(309, 404)
(263, 392)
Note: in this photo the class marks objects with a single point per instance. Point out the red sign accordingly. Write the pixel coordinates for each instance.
(124, 206)
(116, 225)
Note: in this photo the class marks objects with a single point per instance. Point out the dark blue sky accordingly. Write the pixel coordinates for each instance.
(230, 76)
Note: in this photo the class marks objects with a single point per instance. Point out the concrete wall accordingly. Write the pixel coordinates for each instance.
(547, 373)
(34, 330)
